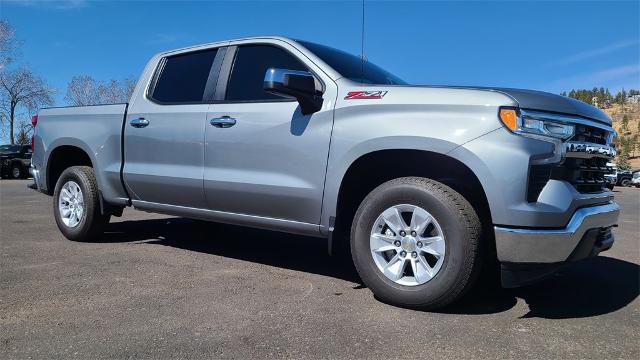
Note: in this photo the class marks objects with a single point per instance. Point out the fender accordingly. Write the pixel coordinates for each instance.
(66, 141)
(338, 167)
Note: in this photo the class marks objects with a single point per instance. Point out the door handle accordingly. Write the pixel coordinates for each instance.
(223, 122)
(139, 122)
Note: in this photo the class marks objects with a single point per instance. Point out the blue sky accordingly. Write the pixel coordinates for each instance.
(545, 45)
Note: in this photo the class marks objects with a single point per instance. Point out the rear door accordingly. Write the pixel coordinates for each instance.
(164, 131)
(271, 162)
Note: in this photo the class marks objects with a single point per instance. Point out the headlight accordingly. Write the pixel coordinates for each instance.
(525, 125)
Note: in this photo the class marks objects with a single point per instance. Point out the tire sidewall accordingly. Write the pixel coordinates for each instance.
(454, 236)
(20, 172)
(83, 228)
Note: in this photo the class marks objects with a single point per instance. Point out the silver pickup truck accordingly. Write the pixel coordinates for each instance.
(424, 185)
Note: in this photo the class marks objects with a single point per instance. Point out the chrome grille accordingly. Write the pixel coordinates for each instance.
(590, 134)
(585, 174)
(585, 161)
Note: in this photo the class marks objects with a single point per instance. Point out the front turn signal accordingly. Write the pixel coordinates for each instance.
(509, 118)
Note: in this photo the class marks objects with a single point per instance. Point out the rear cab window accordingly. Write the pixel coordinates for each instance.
(181, 79)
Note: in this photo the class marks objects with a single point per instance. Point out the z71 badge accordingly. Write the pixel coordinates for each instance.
(353, 95)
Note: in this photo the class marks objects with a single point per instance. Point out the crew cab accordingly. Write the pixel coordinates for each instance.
(424, 185)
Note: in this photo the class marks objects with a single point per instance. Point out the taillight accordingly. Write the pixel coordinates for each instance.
(34, 122)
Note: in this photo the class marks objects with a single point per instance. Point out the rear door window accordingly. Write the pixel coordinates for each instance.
(183, 77)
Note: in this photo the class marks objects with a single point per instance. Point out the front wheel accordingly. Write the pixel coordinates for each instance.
(76, 205)
(415, 243)
(17, 172)
(625, 182)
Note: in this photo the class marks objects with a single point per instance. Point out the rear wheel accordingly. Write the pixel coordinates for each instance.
(76, 205)
(625, 182)
(415, 243)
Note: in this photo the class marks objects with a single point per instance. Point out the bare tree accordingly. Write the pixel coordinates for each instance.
(110, 92)
(128, 85)
(21, 89)
(85, 90)
(82, 90)
(9, 46)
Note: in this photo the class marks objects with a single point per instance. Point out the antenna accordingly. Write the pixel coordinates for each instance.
(362, 46)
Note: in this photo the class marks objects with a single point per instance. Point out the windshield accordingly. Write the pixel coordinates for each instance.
(10, 148)
(352, 67)
(636, 174)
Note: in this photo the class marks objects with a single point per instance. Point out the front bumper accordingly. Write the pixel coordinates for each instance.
(528, 254)
(518, 245)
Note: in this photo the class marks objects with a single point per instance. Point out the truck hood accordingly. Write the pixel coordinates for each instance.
(543, 101)
(538, 100)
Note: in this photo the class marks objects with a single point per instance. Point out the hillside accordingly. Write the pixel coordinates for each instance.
(632, 110)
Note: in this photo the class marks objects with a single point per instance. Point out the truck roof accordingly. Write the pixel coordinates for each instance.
(222, 42)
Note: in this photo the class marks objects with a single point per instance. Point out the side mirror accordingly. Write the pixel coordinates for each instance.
(300, 85)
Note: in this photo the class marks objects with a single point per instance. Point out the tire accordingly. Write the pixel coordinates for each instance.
(625, 182)
(610, 186)
(90, 224)
(460, 228)
(16, 171)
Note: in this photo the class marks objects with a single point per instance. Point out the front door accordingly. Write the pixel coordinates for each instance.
(262, 156)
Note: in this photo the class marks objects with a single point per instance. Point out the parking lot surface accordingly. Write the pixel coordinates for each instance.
(163, 287)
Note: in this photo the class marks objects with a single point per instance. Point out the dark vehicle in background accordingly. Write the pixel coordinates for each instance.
(617, 177)
(15, 161)
(624, 177)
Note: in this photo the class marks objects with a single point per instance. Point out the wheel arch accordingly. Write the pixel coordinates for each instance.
(365, 173)
(62, 157)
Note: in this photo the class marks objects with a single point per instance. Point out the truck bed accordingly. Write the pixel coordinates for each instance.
(95, 129)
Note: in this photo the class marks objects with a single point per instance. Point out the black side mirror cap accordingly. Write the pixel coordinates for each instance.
(300, 85)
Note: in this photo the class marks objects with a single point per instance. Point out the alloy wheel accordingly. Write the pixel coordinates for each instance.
(407, 245)
(71, 204)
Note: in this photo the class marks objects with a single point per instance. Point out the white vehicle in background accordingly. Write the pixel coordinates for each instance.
(635, 179)
(612, 177)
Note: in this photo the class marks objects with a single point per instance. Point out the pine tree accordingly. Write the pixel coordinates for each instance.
(625, 123)
(608, 97)
(623, 155)
(621, 98)
(23, 135)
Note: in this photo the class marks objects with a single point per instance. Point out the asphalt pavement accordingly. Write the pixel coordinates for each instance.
(163, 287)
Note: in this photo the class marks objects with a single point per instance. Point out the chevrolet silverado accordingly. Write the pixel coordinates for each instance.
(424, 184)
